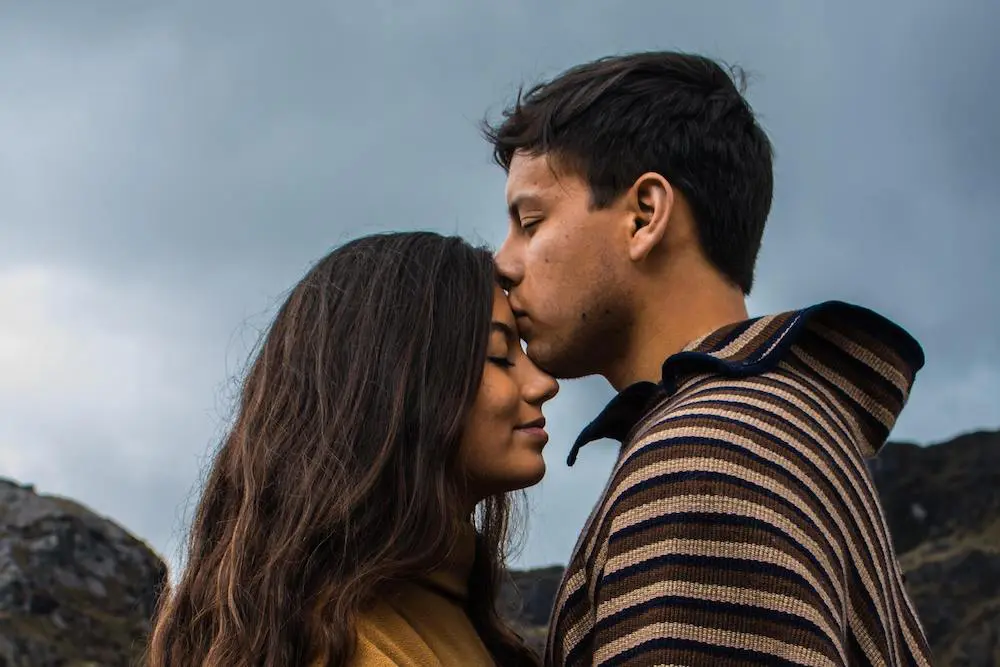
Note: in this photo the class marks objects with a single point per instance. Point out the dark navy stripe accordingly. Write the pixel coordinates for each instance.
(731, 336)
(729, 610)
(764, 348)
(576, 597)
(796, 453)
(744, 566)
(854, 484)
(698, 518)
(858, 533)
(832, 354)
(858, 656)
(720, 477)
(741, 655)
(676, 441)
(847, 481)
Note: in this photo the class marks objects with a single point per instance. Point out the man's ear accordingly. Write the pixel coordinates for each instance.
(651, 200)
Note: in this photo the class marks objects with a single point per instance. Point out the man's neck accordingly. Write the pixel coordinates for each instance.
(671, 321)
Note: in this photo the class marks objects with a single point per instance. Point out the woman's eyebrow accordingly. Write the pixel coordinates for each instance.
(503, 328)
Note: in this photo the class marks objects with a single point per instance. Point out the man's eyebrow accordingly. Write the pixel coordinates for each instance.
(520, 200)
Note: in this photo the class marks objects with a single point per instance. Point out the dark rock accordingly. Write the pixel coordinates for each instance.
(75, 589)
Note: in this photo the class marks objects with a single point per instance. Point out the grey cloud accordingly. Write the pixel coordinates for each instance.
(193, 159)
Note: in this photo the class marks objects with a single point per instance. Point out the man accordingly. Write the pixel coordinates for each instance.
(739, 524)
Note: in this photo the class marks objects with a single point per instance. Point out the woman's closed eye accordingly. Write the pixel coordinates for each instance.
(503, 362)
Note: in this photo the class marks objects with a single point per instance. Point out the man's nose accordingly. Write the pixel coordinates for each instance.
(509, 266)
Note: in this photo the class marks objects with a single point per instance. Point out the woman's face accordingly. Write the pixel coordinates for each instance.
(504, 434)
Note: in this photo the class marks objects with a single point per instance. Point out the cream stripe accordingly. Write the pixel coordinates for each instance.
(842, 425)
(744, 339)
(635, 449)
(600, 510)
(708, 390)
(881, 592)
(577, 632)
(599, 516)
(715, 637)
(912, 642)
(731, 503)
(571, 583)
(703, 503)
(669, 408)
(719, 505)
(756, 553)
(788, 328)
(832, 572)
(705, 464)
(865, 640)
(643, 436)
(748, 597)
(877, 410)
(584, 542)
(846, 463)
(759, 384)
(865, 356)
(848, 459)
(847, 455)
(751, 445)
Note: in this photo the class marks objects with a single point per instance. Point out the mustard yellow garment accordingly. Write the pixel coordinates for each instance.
(423, 623)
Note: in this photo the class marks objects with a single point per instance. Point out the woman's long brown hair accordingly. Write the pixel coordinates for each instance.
(339, 476)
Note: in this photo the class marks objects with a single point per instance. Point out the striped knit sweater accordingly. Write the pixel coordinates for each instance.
(739, 525)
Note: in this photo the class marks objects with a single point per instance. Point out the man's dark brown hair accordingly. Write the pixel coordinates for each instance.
(680, 115)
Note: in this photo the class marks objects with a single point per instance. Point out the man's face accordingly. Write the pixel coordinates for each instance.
(565, 265)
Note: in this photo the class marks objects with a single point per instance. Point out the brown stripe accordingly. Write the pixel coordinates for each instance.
(822, 640)
(871, 582)
(709, 582)
(857, 370)
(877, 346)
(881, 418)
(818, 533)
(746, 546)
(896, 373)
(716, 542)
(872, 522)
(749, 340)
(829, 486)
(838, 520)
(714, 636)
(847, 468)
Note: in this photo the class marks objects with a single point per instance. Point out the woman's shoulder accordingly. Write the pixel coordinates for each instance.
(418, 629)
(386, 639)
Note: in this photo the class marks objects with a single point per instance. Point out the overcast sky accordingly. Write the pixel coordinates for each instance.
(167, 172)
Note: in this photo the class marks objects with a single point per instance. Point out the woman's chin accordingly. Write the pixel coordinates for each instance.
(532, 474)
(526, 472)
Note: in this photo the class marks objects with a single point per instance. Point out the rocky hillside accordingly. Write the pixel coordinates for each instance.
(943, 507)
(76, 590)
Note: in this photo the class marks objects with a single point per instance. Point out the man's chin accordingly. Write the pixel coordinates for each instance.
(549, 360)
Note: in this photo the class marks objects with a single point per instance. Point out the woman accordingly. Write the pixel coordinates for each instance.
(356, 513)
